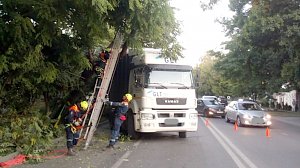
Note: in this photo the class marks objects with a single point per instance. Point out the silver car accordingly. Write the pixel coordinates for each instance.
(247, 113)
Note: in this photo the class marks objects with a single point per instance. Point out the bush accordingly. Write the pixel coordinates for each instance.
(30, 133)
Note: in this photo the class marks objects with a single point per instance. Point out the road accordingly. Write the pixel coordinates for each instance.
(216, 144)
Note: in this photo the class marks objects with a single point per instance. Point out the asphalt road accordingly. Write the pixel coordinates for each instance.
(215, 144)
(218, 144)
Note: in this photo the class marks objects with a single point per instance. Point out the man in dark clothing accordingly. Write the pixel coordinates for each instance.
(121, 109)
(73, 123)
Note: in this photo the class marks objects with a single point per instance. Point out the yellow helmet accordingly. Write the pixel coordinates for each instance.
(128, 97)
(84, 105)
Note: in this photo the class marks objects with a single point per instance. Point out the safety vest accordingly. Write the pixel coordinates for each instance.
(102, 56)
(74, 108)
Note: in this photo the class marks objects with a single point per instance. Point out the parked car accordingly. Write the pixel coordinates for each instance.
(210, 108)
(223, 100)
(210, 97)
(246, 112)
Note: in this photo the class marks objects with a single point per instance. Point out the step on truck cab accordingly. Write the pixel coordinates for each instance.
(164, 97)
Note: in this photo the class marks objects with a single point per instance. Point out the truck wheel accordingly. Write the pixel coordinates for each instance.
(182, 134)
(130, 127)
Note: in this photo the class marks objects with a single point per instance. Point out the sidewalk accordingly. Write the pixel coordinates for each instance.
(94, 157)
(284, 113)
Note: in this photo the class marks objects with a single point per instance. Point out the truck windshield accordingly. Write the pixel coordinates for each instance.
(170, 78)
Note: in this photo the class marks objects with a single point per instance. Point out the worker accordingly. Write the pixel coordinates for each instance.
(73, 123)
(107, 54)
(120, 111)
(102, 56)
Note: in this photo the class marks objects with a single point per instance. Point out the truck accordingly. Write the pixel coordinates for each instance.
(164, 97)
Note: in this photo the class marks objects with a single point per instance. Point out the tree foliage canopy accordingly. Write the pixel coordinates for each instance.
(264, 46)
(43, 42)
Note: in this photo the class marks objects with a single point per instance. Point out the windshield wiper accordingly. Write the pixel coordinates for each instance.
(183, 86)
(161, 85)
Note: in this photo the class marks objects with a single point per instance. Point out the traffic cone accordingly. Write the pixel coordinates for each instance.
(235, 126)
(268, 133)
(206, 122)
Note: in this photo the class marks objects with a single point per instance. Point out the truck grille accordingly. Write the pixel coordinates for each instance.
(168, 115)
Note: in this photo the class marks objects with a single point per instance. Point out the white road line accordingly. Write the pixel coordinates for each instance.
(125, 156)
(233, 147)
(234, 157)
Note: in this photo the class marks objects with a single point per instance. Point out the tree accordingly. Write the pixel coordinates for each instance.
(263, 53)
(147, 23)
(210, 81)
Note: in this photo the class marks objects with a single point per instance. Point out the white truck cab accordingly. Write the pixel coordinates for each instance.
(164, 97)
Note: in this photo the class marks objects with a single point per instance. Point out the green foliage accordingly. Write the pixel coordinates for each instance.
(210, 80)
(44, 42)
(124, 138)
(7, 148)
(26, 133)
(149, 24)
(264, 50)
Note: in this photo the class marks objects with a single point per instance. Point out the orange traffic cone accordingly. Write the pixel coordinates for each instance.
(268, 133)
(235, 126)
(206, 122)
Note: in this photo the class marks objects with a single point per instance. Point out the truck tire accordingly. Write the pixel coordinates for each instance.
(182, 134)
(130, 126)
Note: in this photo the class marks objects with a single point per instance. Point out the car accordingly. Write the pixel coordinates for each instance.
(247, 112)
(210, 108)
(223, 100)
(210, 97)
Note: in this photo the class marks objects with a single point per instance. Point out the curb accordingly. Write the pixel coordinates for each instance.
(8, 157)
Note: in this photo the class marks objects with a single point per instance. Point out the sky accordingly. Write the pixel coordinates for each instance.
(200, 32)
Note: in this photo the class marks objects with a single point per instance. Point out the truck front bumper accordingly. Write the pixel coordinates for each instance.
(170, 121)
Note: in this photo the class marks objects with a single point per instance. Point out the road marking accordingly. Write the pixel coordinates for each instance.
(125, 156)
(227, 149)
(222, 139)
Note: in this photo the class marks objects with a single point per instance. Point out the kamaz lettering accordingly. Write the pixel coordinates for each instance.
(171, 101)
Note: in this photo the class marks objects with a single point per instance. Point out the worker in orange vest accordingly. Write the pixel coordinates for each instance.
(73, 123)
(102, 56)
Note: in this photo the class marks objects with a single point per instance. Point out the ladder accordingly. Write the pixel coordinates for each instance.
(102, 90)
(90, 103)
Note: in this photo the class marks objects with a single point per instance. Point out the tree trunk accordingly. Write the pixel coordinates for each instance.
(46, 100)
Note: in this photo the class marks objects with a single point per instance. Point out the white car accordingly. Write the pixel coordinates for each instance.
(247, 113)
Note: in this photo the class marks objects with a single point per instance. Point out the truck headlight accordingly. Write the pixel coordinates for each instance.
(147, 116)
